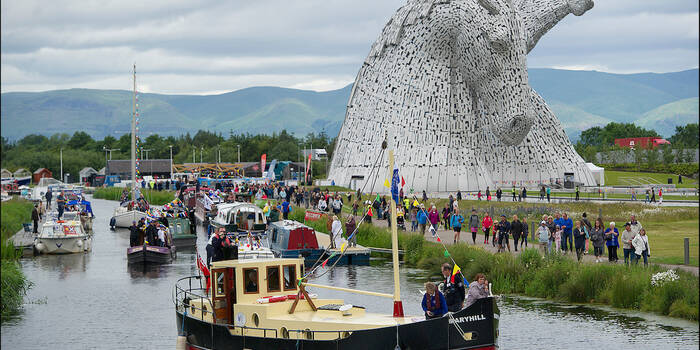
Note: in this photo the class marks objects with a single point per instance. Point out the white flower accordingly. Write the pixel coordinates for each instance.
(660, 278)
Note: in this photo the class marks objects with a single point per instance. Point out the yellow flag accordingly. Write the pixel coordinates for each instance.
(455, 270)
(415, 203)
(342, 247)
(387, 184)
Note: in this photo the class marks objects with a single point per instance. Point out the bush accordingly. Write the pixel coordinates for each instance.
(586, 282)
(627, 289)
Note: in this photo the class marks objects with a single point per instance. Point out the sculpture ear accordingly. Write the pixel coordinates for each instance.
(490, 6)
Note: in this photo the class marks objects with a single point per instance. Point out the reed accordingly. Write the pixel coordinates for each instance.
(13, 213)
(154, 197)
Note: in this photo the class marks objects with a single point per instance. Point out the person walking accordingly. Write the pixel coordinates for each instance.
(499, 194)
(503, 231)
(543, 236)
(414, 219)
(579, 239)
(646, 198)
(611, 242)
(549, 193)
(525, 232)
(587, 227)
(446, 213)
(641, 247)
(488, 193)
(578, 191)
(513, 192)
(422, 218)
(35, 218)
(627, 249)
(635, 225)
(434, 218)
(598, 239)
(474, 225)
(456, 221)
(337, 232)
(552, 230)
(486, 224)
(516, 228)
(661, 196)
(542, 193)
(567, 226)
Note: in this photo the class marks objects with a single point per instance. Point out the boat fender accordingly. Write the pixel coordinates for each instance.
(181, 343)
(112, 221)
(40, 247)
(80, 243)
(268, 300)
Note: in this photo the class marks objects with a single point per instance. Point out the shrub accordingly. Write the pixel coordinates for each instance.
(14, 288)
(154, 197)
(627, 289)
(586, 282)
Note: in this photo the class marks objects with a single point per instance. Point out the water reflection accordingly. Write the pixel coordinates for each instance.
(64, 264)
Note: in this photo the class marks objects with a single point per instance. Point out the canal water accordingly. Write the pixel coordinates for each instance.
(94, 301)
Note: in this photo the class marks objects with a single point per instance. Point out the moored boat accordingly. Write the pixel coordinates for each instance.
(150, 254)
(63, 236)
(240, 217)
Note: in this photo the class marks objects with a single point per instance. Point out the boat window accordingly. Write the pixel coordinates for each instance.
(273, 279)
(251, 280)
(274, 235)
(290, 276)
(220, 284)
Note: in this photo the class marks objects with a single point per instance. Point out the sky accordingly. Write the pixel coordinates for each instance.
(207, 47)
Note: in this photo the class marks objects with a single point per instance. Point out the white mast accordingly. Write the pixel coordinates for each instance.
(133, 140)
(398, 305)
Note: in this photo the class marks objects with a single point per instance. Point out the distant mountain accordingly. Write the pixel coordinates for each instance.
(580, 99)
(664, 118)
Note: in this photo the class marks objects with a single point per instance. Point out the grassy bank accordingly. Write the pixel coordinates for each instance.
(666, 226)
(153, 197)
(635, 178)
(14, 284)
(554, 277)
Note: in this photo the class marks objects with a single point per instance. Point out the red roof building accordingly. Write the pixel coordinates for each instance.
(641, 142)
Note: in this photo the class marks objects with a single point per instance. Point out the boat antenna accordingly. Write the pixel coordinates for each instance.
(398, 305)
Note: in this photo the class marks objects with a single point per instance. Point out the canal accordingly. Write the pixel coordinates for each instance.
(94, 301)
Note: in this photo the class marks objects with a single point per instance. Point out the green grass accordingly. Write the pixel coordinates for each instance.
(640, 196)
(154, 197)
(617, 178)
(666, 241)
(14, 284)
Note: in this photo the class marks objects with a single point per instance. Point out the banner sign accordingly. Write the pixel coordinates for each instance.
(262, 163)
(314, 215)
(308, 165)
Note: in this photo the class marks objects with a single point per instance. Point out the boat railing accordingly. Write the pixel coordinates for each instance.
(183, 293)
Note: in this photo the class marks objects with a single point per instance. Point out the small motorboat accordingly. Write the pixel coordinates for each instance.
(240, 217)
(183, 238)
(63, 236)
(123, 217)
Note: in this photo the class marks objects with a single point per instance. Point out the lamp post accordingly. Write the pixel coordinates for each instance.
(193, 150)
(201, 149)
(62, 179)
(218, 157)
(239, 153)
(171, 161)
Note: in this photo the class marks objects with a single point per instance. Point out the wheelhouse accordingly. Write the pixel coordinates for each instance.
(240, 217)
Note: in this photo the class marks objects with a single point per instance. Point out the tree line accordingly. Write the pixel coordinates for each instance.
(602, 139)
(81, 150)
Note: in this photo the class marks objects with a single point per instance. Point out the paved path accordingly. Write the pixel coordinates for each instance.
(447, 237)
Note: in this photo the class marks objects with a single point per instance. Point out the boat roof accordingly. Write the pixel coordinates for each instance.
(234, 205)
(289, 225)
(256, 262)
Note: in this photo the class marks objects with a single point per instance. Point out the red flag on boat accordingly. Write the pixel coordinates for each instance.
(203, 267)
(403, 182)
(369, 211)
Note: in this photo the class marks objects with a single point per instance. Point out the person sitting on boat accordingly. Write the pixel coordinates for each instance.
(478, 289)
(433, 303)
(161, 236)
(133, 234)
(454, 288)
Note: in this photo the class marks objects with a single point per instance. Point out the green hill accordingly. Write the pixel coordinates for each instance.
(580, 99)
(664, 118)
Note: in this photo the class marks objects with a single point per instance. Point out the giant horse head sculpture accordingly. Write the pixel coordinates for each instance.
(448, 79)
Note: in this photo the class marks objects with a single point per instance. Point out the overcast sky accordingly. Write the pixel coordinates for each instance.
(202, 47)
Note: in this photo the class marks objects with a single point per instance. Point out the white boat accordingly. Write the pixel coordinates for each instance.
(240, 217)
(63, 236)
(123, 217)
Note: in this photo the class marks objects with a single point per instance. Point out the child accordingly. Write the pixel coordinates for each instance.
(557, 236)
(478, 195)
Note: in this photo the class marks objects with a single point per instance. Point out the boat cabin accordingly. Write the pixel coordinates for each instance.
(291, 235)
(239, 216)
(243, 282)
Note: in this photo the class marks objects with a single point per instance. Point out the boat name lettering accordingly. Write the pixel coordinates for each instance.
(152, 249)
(468, 319)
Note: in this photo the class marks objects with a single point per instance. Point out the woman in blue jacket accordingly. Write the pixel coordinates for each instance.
(422, 218)
(611, 242)
(456, 222)
(434, 303)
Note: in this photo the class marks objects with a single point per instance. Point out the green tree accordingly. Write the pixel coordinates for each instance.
(651, 156)
(667, 154)
(686, 136)
(80, 139)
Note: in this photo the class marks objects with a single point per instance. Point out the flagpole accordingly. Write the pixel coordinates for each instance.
(398, 305)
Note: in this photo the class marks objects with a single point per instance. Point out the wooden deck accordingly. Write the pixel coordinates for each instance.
(25, 241)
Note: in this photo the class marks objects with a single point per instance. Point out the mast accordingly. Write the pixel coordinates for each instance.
(398, 305)
(133, 140)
